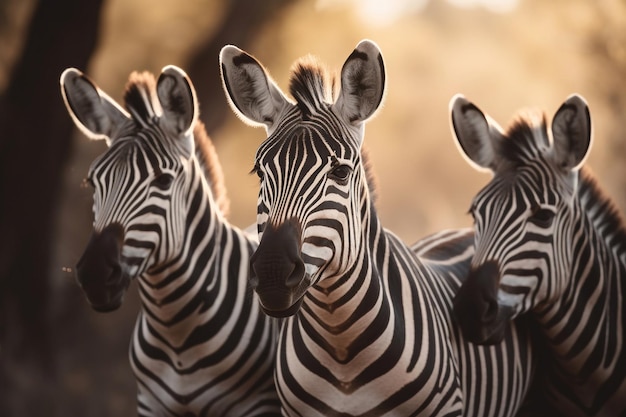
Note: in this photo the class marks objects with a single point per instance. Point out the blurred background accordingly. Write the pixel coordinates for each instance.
(57, 356)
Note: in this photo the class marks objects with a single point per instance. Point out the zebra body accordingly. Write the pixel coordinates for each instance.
(549, 242)
(201, 346)
(368, 327)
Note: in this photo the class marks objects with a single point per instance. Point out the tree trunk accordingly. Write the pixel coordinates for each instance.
(35, 143)
(243, 21)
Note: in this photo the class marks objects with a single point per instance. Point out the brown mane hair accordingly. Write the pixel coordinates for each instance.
(603, 211)
(207, 157)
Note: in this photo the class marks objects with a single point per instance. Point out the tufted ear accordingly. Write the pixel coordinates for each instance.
(476, 135)
(96, 114)
(250, 91)
(571, 133)
(177, 97)
(362, 83)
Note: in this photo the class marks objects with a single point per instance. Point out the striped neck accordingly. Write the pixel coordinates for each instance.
(345, 314)
(175, 294)
(585, 327)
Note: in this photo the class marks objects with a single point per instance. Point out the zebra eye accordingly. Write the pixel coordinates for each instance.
(257, 170)
(163, 181)
(340, 173)
(542, 217)
(471, 211)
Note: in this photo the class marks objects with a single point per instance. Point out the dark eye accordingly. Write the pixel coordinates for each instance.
(542, 217)
(163, 181)
(471, 211)
(257, 170)
(340, 173)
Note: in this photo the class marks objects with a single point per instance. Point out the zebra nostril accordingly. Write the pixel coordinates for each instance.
(490, 311)
(297, 274)
(115, 276)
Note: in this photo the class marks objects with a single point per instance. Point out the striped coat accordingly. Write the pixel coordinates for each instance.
(368, 328)
(549, 242)
(201, 345)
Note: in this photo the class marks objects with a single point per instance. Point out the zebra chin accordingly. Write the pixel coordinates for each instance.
(107, 297)
(270, 307)
(482, 319)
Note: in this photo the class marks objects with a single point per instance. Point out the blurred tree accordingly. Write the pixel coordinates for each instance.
(606, 43)
(35, 141)
(242, 21)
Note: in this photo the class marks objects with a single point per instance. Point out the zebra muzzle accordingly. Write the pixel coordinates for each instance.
(99, 272)
(476, 307)
(277, 271)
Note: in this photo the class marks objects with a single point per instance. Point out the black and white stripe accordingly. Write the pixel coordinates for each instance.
(368, 328)
(201, 345)
(548, 241)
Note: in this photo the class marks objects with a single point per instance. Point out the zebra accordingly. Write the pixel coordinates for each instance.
(201, 345)
(548, 241)
(367, 324)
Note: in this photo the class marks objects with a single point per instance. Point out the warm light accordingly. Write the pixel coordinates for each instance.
(377, 12)
(496, 6)
(387, 12)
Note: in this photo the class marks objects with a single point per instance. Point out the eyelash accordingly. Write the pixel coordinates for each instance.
(257, 170)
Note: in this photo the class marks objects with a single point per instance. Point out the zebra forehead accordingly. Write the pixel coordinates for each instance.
(138, 149)
(139, 95)
(318, 133)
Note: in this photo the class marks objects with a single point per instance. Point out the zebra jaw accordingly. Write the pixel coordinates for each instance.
(289, 311)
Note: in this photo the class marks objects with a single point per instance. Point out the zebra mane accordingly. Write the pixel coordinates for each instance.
(140, 98)
(309, 85)
(602, 210)
(370, 177)
(207, 157)
(526, 137)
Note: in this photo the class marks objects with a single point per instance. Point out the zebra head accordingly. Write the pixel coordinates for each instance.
(313, 184)
(140, 183)
(523, 217)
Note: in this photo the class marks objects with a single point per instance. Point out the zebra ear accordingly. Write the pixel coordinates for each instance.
(362, 83)
(96, 114)
(571, 133)
(178, 101)
(476, 135)
(250, 91)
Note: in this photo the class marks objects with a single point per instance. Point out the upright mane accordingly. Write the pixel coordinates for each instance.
(141, 101)
(139, 96)
(309, 85)
(526, 137)
(602, 210)
(207, 157)
(370, 176)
